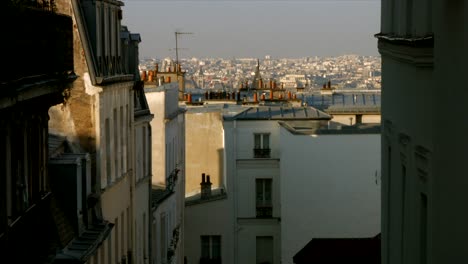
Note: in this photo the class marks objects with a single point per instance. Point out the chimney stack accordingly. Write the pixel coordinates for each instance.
(205, 186)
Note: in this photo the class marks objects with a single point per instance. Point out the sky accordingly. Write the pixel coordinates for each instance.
(254, 28)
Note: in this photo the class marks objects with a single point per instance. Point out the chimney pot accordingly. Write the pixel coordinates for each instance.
(203, 177)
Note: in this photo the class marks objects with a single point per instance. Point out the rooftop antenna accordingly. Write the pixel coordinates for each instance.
(177, 33)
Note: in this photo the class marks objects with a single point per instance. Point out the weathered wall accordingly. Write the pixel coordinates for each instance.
(204, 149)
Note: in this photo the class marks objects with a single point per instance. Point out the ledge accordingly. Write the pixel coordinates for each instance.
(418, 51)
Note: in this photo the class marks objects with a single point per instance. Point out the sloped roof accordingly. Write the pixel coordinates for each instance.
(340, 250)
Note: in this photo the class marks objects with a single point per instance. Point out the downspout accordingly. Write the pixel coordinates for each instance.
(150, 211)
(234, 189)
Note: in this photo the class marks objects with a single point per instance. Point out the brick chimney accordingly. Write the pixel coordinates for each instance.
(205, 186)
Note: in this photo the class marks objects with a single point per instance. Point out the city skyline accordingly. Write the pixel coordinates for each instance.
(239, 28)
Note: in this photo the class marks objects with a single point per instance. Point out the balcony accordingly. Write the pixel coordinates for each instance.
(264, 209)
(262, 153)
(38, 43)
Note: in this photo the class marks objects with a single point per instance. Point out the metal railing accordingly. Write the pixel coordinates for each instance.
(262, 153)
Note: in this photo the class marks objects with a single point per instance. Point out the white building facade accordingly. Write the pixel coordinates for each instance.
(330, 185)
(270, 207)
(168, 180)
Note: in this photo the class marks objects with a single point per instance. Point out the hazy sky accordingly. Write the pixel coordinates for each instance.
(246, 28)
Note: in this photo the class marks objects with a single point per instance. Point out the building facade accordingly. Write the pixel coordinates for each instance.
(423, 48)
(28, 223)
(330, 188)
(99, 119)
(168, 172)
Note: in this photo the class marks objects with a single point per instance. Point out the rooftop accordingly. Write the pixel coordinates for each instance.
(280, 113)
(308, 128)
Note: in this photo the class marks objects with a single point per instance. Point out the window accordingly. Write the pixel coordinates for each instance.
(264, 250)
(263, 198)
(262, 145)
(423, 229)
(210, 250)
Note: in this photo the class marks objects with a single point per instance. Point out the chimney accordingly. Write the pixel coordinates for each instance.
(150, 76)
(205, 186)
(255, 97)
(289, 95)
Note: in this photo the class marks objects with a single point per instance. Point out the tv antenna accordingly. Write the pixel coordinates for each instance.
(177, 33)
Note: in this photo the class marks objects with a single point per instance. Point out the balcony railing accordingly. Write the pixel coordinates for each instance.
(264, 211)
(262, 153)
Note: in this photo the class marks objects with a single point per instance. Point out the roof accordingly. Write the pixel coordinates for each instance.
(345, 101)
(281, 113)
(340, 250)
(216, 194)
(81, 248)
(159, 195)
(332, 128)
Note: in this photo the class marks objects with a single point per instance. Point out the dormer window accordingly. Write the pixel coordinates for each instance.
(262, 145)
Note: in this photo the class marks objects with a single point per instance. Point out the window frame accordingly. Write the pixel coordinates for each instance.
(264, 206)
(209, 240)
(261, 145)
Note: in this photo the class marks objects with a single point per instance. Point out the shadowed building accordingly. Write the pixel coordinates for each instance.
(423, 47)
(30, 220)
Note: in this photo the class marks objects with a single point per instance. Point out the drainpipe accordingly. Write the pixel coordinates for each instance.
(234, 189)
